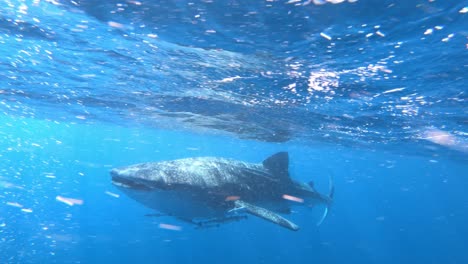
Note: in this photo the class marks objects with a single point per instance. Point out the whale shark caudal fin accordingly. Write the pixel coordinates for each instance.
(278, 165)
(331, 194)
(266, 214)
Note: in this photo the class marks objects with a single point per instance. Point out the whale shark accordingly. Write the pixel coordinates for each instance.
(213, 190)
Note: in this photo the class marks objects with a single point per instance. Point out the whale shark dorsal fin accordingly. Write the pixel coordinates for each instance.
(278, 165)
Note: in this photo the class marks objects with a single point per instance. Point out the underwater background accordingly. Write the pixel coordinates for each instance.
(371, 93)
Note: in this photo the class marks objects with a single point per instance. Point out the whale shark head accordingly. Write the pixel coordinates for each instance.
(137, 177)
(148, 184)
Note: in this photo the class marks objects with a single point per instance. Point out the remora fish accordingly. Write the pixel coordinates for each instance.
(216, 189)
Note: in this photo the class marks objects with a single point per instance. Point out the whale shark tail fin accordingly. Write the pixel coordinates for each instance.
(278, 165)
(328, 199)
(331, 187)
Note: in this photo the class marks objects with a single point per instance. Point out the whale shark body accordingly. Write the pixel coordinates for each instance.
(207, 190)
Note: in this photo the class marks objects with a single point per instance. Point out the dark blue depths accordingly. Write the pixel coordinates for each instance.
(388, 208)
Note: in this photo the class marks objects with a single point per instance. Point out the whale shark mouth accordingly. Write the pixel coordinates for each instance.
(129, 184)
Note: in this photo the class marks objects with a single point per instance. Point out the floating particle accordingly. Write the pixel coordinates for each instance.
(448, 38)
(394, 90)
(87, 76)
(138, 3)
(319, 2)
(14, 204)
(170, 227)
(232, 198)
(428, 31)
(112, 194)
(115, 24)
(6, 185)
(463, 10)
(193, 149)
(27, 210)
(63, 200)
(323, 35)
(293, 198)
(152, 35)
(230, 79)
(380, 34)
(69, 201)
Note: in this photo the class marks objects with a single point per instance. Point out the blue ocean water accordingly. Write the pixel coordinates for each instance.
(370, 92)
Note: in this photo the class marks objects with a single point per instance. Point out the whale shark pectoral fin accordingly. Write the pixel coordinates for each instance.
(215, 222)
(266, 214)
(236, 209)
